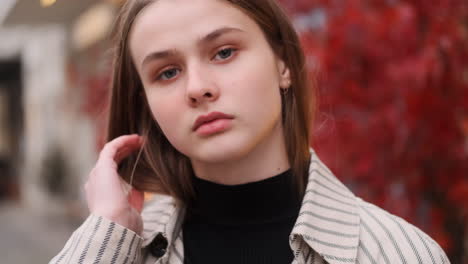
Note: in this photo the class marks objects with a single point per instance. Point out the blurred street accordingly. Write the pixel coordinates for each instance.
(29, 237)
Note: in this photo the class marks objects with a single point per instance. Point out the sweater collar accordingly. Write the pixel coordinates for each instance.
(328, 221)
(269, 200)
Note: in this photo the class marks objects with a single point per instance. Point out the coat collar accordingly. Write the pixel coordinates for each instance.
(161, 216)
(328, 220)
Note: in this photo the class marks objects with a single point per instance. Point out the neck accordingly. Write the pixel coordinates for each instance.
(266, 160)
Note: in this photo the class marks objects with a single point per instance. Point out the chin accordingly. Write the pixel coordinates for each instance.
(219, 151)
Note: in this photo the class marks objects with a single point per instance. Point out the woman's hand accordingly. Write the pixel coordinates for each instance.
(110, 196)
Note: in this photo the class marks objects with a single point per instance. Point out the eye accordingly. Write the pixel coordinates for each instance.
(168, 74)
(224, 54)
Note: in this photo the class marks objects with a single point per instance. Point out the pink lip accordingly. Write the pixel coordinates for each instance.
(213, 116)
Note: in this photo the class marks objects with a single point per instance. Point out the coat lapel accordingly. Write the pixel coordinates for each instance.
(328, 220)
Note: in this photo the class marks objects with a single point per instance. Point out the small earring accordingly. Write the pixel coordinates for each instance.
(286, 87)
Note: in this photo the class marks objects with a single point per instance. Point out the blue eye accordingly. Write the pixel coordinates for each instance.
(168, 74)
(225, 53)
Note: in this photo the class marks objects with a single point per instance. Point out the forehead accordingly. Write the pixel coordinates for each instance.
(166, 24)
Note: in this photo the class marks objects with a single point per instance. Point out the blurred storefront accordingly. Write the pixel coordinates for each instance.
(53, 88)
(54, 70)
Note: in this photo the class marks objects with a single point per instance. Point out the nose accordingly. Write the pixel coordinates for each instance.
(201, 87)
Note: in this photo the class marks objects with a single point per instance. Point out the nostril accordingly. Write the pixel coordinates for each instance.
(209, 95)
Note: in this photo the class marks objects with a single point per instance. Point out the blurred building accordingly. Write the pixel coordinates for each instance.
(53, 86)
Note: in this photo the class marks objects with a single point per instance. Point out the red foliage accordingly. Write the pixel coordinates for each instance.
(393, 92)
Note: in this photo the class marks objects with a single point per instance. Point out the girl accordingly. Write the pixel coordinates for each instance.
(214, 94)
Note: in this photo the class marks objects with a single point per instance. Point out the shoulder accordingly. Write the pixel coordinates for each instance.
(388, 238)
(380, 237)
(158, 209)
(156, 214)
(158, 203)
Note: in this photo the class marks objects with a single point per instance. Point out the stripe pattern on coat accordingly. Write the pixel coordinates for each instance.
(333, 226)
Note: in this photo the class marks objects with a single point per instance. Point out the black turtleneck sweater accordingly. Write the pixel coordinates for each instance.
(248, 223)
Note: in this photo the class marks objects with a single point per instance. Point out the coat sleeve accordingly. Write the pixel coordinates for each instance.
(98, 240)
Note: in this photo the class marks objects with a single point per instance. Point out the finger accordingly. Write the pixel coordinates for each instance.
(136, 199)
(111, 148)
(126, 151)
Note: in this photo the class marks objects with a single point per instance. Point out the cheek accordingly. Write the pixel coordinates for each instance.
(259, 89)
(168, 115)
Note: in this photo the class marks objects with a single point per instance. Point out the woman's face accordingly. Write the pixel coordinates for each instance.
(197, 58)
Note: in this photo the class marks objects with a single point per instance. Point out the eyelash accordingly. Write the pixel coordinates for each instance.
(161, 75)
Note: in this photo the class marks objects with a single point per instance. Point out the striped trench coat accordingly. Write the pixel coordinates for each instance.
(333, 226)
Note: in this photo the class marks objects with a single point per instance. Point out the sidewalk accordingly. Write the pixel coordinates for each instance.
(27, 237)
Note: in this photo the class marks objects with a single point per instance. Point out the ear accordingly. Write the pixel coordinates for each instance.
(284, 74)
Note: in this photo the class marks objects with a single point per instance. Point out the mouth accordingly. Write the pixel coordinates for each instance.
(211, 122)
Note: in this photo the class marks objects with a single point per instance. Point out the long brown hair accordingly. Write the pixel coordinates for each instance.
(162, 168)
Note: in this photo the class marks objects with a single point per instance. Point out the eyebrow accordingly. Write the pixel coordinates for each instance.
(158, 55)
